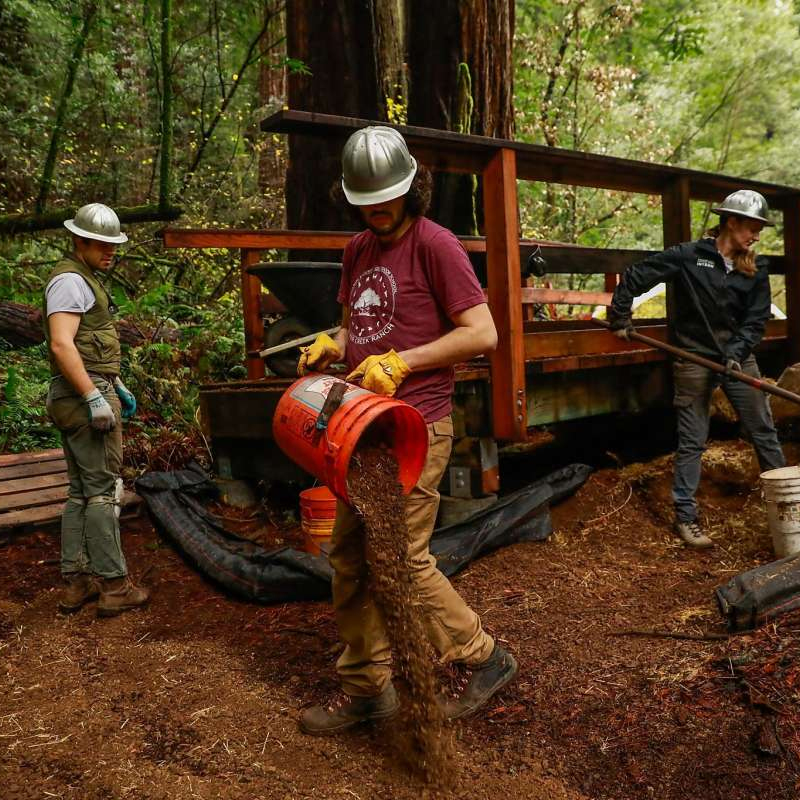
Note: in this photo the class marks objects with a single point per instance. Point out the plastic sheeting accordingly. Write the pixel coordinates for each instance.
(176, 501)
(761, 594)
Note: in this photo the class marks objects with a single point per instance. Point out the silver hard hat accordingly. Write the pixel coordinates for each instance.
(376, 166)
(745, 203)
(96, 221)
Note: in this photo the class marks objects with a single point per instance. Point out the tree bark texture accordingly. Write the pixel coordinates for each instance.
(272, 96)
(442, 37)
(404, 50)
(21, 326)
(11, 224)
(343, 81)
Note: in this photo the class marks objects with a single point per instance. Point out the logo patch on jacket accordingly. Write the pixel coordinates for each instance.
(705, 262)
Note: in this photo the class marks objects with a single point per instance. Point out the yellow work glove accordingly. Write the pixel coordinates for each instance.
(319, 355)
(381, 374)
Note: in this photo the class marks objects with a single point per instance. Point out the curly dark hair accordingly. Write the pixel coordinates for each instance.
(418, 197)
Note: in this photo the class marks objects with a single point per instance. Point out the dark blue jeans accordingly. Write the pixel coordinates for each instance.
(693, 388)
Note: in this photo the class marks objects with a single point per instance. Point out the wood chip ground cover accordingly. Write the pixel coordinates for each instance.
(197, 696)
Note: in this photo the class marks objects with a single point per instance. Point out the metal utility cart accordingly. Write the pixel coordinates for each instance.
(542, 372)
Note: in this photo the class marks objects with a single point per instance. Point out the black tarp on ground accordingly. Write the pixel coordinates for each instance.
(175, 500)
(761, 594)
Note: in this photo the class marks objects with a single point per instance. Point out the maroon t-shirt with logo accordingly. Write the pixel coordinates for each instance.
(401, 296)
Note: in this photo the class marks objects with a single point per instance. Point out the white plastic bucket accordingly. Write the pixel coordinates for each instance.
(782, 493)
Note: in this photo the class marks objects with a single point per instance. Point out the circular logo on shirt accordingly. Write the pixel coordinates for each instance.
(372, 299)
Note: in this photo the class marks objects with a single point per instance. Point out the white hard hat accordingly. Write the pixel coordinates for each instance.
(96, 221)
(746, 203)
(376, 166)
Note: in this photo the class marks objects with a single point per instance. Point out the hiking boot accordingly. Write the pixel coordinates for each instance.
(486, 680)
(692, 534)
(118, 595)
(79, 589)
(324, 720)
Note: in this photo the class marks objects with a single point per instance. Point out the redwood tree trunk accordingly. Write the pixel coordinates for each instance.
(442, 36)
(334, 39)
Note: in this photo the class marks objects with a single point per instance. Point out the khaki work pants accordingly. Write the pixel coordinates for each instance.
(452, 627)
(90, 540)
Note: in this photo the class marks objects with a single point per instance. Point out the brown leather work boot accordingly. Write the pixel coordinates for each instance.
(486, 680)
(324, 720)
(118, 595)
(79, 589)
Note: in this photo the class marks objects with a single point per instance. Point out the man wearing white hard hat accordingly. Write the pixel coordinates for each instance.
(412, 308)
(87, 401)
(722, 304)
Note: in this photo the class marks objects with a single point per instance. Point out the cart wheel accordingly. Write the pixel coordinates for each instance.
(284, 330)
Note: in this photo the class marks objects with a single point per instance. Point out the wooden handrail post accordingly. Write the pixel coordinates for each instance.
(791, 251)
(677, 227)
(251, 310)
(504, 291)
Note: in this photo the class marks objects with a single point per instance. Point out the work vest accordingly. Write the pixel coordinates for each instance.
(96, 339)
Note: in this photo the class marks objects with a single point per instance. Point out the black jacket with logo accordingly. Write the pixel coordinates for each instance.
(717, 314)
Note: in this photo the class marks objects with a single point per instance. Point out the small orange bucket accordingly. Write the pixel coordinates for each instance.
(326, 453)
(317, 515)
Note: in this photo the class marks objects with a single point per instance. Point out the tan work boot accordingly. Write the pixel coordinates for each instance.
(118, 595)
(692, 534)
(79, 589)
(324, 720)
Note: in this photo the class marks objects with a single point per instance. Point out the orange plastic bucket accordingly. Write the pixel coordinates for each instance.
(317, 515)
(326, 454)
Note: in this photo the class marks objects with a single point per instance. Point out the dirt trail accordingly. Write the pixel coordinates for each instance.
(197, 696)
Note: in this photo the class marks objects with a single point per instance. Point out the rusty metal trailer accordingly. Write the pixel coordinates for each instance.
(541, 372)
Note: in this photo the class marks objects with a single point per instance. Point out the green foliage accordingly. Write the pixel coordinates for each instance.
(24, 380)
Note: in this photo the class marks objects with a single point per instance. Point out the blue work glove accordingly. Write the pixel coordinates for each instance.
(126, 399)
(101, 415)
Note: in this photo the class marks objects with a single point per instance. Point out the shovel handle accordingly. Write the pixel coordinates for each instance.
(756, 383)
(295, 342)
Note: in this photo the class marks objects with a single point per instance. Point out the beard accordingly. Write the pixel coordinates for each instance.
(380, 230)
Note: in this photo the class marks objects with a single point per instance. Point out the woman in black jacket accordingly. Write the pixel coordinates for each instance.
(721, 305)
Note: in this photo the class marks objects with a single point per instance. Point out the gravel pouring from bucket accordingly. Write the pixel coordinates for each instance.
(361, 418)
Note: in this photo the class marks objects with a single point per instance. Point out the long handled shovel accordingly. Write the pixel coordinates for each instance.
(756, 383)
(279, 348)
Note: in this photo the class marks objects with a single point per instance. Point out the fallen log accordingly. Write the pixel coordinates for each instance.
(21, 326)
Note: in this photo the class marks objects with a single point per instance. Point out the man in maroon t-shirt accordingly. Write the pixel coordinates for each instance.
(412, 308)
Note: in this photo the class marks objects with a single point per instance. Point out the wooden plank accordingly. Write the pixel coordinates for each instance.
(28, 470)
(553, 344)
(600, 360)
(463, 152)
(39, 482)
(560, 258)
(592, 341)
(676, 224)
(791, 249)
(501, 217)
(533, 294)
(251, 308)
(10, 459)
(30, 499)
(676, 213)
(565, 297)
(29, 516)
(255, 240)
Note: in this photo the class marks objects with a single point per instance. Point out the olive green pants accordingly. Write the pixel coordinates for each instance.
(90, 540)
(452, 627)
